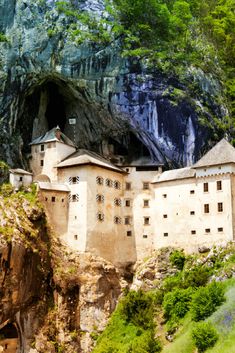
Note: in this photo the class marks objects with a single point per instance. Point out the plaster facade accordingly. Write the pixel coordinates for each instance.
(123, 213)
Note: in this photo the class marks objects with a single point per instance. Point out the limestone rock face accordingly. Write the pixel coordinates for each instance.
(56, 299)
(45, 79)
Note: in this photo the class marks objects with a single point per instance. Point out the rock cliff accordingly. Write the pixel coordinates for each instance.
(119, 105)
(58, 301)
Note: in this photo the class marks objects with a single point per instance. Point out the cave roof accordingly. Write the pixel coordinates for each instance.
(83, 156)
(20, 171)
(222, 153)
(50, 136)
(175, 174)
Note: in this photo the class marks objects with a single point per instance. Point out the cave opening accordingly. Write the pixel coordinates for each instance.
(55, 111)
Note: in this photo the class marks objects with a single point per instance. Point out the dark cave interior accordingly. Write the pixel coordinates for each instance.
(55, 111)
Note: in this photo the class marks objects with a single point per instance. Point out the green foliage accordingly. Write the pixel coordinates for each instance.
(204, 336)
(3, 38)
(145, 343)
(206, 300)
(177, 303)
(177, 258)
(137, 308)
(196, 277)
(6, 190)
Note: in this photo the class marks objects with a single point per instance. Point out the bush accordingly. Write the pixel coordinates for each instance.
(204, 336)
(6, 190)
(172, 282)
(177, 258)
(145, 343)
(196, 277)
(137, 307)
(177, 303)
(206, 300)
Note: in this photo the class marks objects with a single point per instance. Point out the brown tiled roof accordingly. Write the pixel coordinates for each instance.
(82, 157)
(222, 153)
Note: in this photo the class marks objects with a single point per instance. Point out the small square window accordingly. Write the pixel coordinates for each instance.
(42, 148)
(127, 170)
(205, 187)
(164, 196)
(207, 230)
(46, 198)
(117, 202)
(192, 213)
(146, 220)
(220, 206)
(62, 200)
(21, 178)
(206, 208)
(220, 229)
(41, 162)
(128, 186)
(75, 198)
(127, 220)
(129, 233)
(53, 199)
(146, 203)
(145, 236)
(100, 198)
(165, 216)
(192, 192)
(75, 237)
(74, 180)
(145, 185)
(193, 231)
(127, 203)
(109, 183)
(165, 234)
(117, 220)
(219, 185)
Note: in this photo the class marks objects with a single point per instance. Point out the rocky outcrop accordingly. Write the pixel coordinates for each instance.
(59, 301)
(46, 79)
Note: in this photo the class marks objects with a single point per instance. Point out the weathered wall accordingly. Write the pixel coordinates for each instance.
(45, 79)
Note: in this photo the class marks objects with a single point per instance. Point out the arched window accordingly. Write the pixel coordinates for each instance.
(99, 180)
(100, 198)
(117, 202)
(117, 184)
(117, 220)
(109, 183)
(100, 216)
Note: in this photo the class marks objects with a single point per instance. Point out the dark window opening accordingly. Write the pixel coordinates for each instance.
(53, 199)
(165, 234)
(146, 203)
(192, 192)
(220, 229)
(21, 178)
(219, 185)
(205, 187)
(41, 162)
(75, 237)
(129, 233)
(145, 185)
(146, 220)
(193, 231)
(207, 230)
(145, 236)
(220, 206)
(192, 213)
(206, 208)
(42, 148)
(127, 203)
(164, 196)
(128, 186)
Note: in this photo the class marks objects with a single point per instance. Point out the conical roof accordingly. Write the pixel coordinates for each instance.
(222, 153)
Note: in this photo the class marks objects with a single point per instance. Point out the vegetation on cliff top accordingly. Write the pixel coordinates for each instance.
(170, 36)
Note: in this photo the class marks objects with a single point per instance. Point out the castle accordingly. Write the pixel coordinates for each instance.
(121, 211)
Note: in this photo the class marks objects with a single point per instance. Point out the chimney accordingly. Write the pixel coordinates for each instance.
(58, 132)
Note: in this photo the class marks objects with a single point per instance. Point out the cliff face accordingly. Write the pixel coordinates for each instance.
(45, 80)
(58, 301)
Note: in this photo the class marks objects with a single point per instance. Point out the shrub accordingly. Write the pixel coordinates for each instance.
(196, 277)
(177, 258)
(177, 303)
(145, 343)
(137, 307)
(206, 300)
(172, 282)
(6, 190)
(204, 336)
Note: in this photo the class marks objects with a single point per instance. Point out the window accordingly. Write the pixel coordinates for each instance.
(145, 236)
(99, 180)
(42, 148)
(117, 202)
(127, 170)
(62, 200)
(117, 185)
(128, 186)
(206, 208)
(165, 216)
(165, 234)
(127, 203)
(207, 230)
(220, 206)
(164, 196)
(74, 180)
(193, 231)
(146, 203)
(146, 221)
(74, 198)
(41, 162)
(117, 220)
(219, 185)
(192, 213)
(53, 199)
(100, 216)
(127, 220)
(129, 233)
(75, 237)
(100, 198)
(109, 183)
(205, 187)
(46, 198)
(21, 178)
(192, 192)
(145, 185)
(220, 229)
